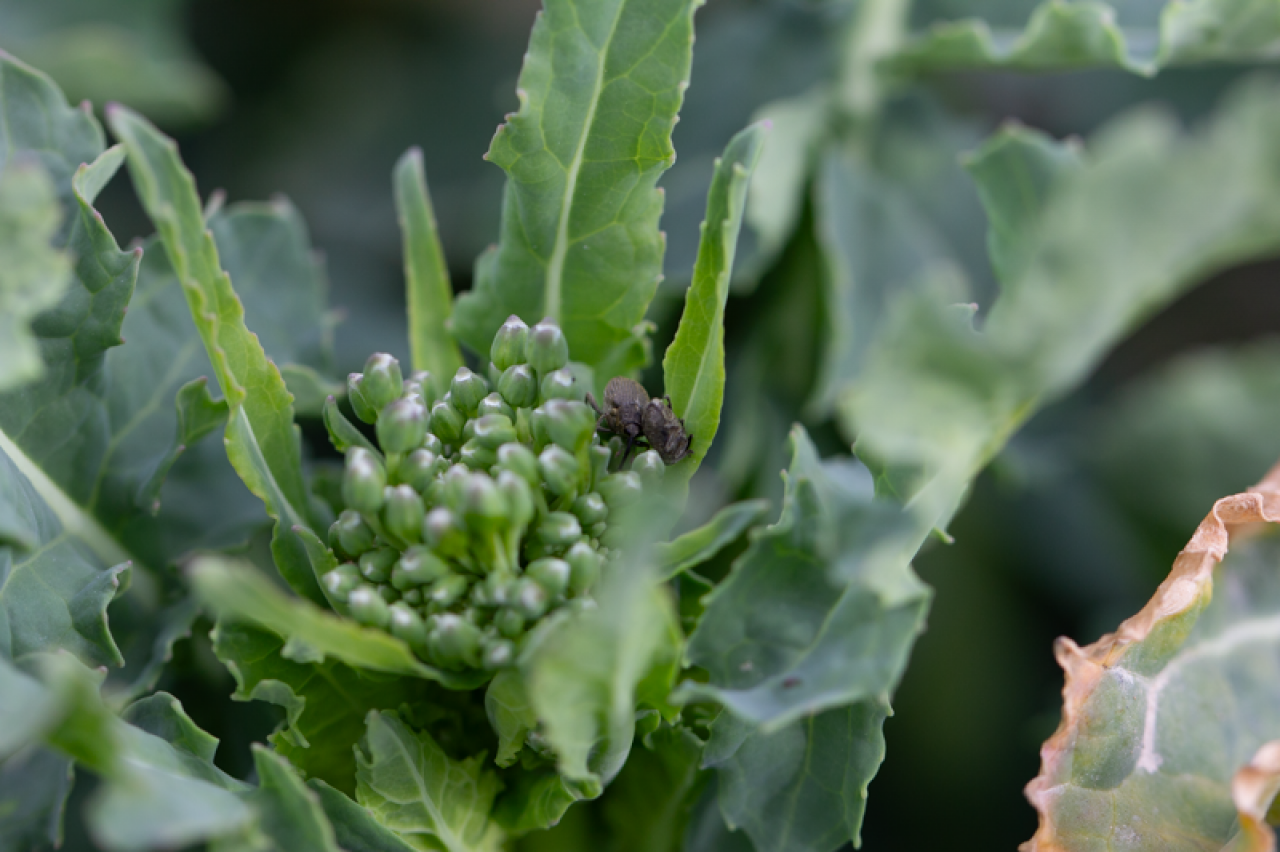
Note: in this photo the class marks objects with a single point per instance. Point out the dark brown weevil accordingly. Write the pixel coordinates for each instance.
(625, 401)
(664, 431)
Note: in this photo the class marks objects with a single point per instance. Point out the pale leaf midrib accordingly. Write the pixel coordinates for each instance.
(74, 519)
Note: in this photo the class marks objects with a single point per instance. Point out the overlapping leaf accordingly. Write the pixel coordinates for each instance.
(599, 92)
(1062, 35)
(1162, 718)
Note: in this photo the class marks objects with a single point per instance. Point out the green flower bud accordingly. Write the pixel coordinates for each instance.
(413, 391)
(375, 565)
(547, 348)
(443, 530)
(426, 382)
(466, 390)
(551, 574)
(598, 530)
(584, 567)
(650, 468)
(389, 593)
(407, 626)
(355, 395)
(484, 507)
(524, 427)
(342, 580)
(600, 458)
(519, 497)
(447, 591)
(559, 384)
(494, 430)
(558, 529)
(363, 481)
(518, 386)
(368, 607)
(559, 469)
(446, 422)
(495, 404)
(454, 641)
(530, 599)
(509, 623)
(432, 443)
(420, 469)
(382, 381)
(477, 456)
(508, 346)
(521, 461)
(569, 423)
(401, 426)
(498, 654)
(492, 373)
(590, 509)
(621, 489)
(418, 566)
(354, 535)
(413, 597)
(402, 513)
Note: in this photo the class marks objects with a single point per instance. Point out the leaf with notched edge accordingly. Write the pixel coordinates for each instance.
(1168, 724)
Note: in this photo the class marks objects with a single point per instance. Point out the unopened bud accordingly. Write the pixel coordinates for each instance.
(521, 461)
(558, 529)
(407, 626)
(508, 346)
(484, 507)
(551, 574)
(559, 469)
(443, 530)
(418, 566)
(569, 423)
(427, 383)
(375, 565)
(466, 391)
(355, 395)
(447, 422)
(477, 456)
(402, 513)
(363, 481)
(559, 384)
(420, 469)
(621, 489)
(494, 430)
(509, 623)
(498, 654)
(454, 641)
(518, 386)
(519, 497)
(548, 349)
(382, 382)
(495, 404)
(401, 426)
(590, 509)
(584, 567)
(368, 607)
(447, 591)
(342, 580)
(650, 468)
(530, 599)
(353, 534)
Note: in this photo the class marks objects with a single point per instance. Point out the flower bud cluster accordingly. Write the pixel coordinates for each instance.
(488, 505)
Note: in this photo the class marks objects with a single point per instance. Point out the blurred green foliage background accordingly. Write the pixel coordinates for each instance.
(1067, 533)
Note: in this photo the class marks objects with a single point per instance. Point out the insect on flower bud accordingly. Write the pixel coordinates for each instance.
(368, 607)
(548, 349)
(466, 390)
(590, 509)
(509, 343)
(360, 405)
(402, 425)
(382, 381)
(342, 580)
(402, 513)
(559, 384)
(446, 422)
(494, 430)
(558, 529)
(551, 574)
(569, 423)
(495, 404)
(518, 386)
(420, 469)
(559, 469)
(443, 530)
(418, 566)
(363, 481)
(521, 461)
(584, 567)
(650, 468)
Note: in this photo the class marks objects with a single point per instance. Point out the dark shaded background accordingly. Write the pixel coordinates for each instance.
(1067, 533)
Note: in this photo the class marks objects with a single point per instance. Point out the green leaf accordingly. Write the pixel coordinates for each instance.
(416, 790)
(289, 813)
(426, 275)
(262, 440)
(36, 273)
(1162, 719)
(802, 788)
(599, 92)
(648, 807)
(693, 367)
(697, 546)
(325, 702)
(354, 826)
(512, 716)
(34, 785)
(1061, 36)
(238, 591)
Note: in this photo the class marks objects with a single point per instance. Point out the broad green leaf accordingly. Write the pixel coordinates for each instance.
(601, 85)
(697, 546)
(262, 440)
(34, 785)
(802, 788)
(693, 367)
(582, 674)
(325, 702)
(1061, 36)
(36, 274)
(512, 716)
(647, 808)
(239, 592)
(416, 790)
(430, 294)
(289, 813)
(823, 607)
(355, 827)
(1166, 718)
